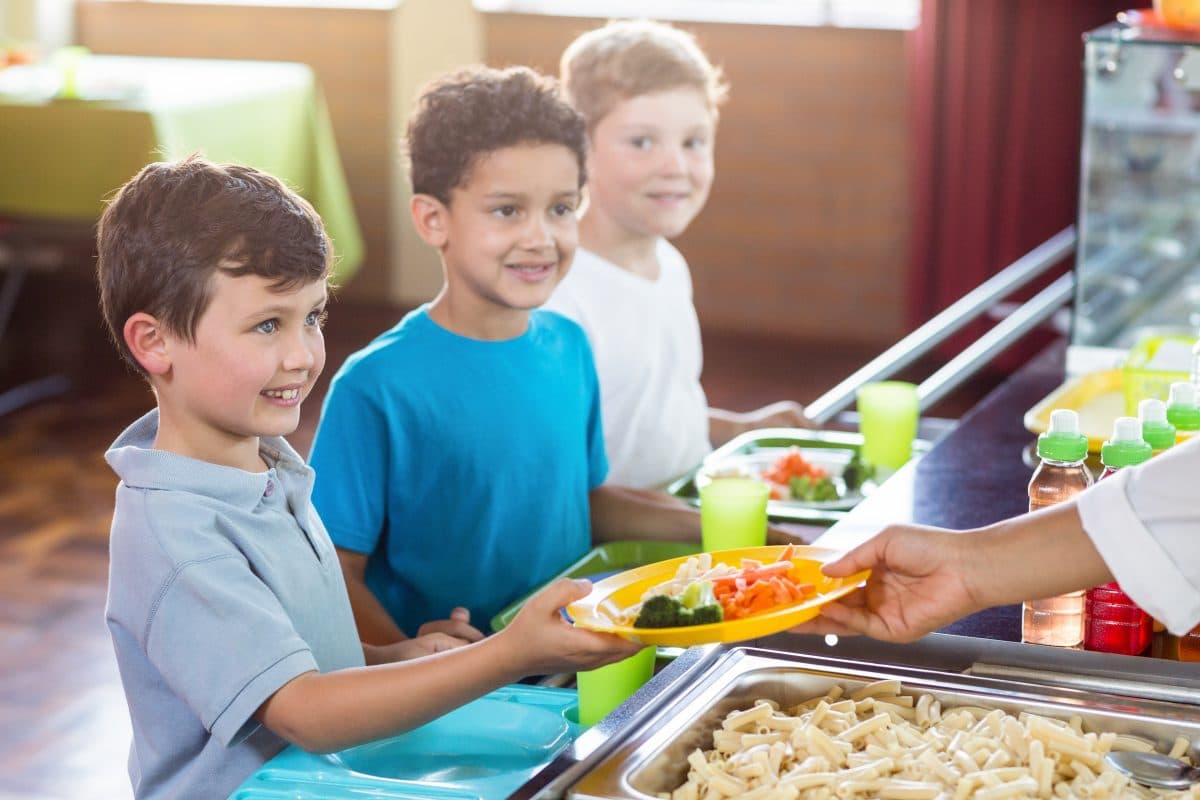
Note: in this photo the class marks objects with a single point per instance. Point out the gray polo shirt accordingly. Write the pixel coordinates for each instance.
(223, 586)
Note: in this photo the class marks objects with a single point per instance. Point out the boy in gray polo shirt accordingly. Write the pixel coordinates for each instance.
(226, 604)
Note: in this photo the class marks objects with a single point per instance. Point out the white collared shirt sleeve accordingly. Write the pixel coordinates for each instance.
(1145, 522)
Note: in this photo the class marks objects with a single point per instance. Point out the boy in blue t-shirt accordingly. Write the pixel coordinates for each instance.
(228, 612)
(461, 454)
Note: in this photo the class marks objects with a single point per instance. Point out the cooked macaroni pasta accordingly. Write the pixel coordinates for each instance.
(877, 742)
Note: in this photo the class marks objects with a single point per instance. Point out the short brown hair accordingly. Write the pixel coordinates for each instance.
(175, 223)
(628, 58)
(468, 114)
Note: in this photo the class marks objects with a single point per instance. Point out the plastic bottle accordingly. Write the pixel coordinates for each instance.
(1113, 623)
(1196, 365)
(1156, 430)
(1057, 621)
(1182, 410)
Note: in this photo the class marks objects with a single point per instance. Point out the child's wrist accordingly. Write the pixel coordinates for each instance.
(512, 659)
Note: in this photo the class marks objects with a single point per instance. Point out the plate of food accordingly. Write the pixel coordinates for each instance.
(808, 477)
(725, 596)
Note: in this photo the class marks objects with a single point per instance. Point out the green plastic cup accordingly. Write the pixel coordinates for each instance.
(733, 514)
(69, 60)
(601, 690)
(887, 419)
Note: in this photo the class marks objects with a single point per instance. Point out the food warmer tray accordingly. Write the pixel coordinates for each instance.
(640, 750)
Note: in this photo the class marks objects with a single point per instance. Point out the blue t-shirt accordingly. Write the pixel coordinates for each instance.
(461, 467)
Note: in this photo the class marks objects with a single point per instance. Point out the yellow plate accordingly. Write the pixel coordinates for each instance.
(1099, 399)
(601, 609)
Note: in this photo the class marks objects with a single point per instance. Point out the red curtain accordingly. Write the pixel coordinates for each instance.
(997, 93)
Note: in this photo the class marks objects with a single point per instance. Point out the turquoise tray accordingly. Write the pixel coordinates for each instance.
(604, 560)
(485, 749)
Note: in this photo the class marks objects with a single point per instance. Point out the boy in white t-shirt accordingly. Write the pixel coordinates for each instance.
(650, 98)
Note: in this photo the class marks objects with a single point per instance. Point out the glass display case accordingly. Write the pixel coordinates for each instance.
(1138, 255)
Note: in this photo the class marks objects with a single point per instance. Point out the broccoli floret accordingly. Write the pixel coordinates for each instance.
(659, 611)
(707, 614)
(801, 487)
(662, 611)
(825, 490)
(857, 472)
(806, 489)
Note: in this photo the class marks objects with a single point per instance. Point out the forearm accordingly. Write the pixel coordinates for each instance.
(375, 624)
(323, 712)
(1033, 556)
(724, 425)
(619, 512)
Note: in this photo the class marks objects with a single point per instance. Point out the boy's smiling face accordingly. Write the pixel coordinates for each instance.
(650, 163)
(256, 354)
(507, 238)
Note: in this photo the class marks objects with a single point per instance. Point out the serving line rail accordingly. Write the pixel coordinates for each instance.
(937, 330)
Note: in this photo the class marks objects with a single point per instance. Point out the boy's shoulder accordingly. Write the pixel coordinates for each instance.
(553, 328)
(408, 340)
(162, 494)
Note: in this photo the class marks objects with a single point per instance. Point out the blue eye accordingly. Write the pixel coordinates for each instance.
(316, 318)
(267, 326)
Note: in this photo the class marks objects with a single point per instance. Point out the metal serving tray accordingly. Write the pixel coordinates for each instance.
(652, 758)
(768, 442)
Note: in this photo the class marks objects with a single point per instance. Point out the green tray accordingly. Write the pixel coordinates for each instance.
(773, 440)
(611, 557)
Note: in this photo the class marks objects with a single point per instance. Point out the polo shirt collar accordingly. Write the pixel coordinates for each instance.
(133, 457)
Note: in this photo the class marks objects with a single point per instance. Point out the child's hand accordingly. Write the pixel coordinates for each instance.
(783, 414)
(459, 626)
(423, 645)
(545, 643)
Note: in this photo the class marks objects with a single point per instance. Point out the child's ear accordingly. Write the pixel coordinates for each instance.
(430, 217)
(146, 339)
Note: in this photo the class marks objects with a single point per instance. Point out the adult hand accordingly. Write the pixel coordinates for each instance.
(458, 625)
(921, 579)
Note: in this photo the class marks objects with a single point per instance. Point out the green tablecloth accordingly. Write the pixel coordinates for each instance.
(60, 159)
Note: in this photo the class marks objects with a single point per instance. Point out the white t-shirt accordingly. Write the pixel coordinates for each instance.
(1145, 522)
(646, 341)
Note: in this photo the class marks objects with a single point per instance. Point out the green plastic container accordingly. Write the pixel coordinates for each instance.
(1140, 380)
(604, 560)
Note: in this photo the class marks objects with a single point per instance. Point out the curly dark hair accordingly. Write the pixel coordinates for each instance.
(175, 223)
(470, 113)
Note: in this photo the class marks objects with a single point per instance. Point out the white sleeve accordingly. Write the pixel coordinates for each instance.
(1145, 523)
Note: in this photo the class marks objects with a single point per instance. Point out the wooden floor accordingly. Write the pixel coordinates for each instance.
(65, 731)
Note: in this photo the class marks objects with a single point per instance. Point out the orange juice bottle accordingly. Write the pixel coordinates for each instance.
(1057, 621)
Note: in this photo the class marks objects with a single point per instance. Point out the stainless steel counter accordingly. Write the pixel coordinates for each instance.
(1171, 691)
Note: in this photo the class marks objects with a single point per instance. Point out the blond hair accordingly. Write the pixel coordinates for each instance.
(628, 58)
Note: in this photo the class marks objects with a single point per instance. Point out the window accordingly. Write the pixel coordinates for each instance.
(896, 14)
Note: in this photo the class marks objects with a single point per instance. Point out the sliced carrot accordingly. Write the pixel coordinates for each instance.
(768, 571)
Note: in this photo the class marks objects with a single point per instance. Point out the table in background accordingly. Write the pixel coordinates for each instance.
(61, 159)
